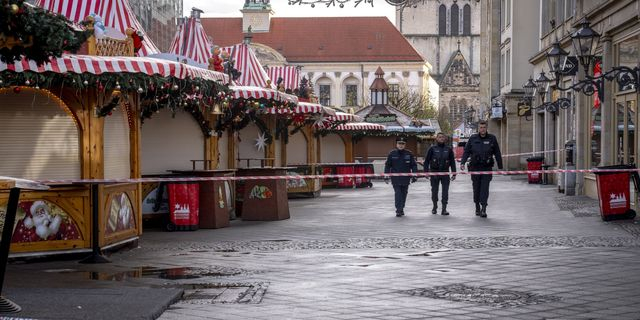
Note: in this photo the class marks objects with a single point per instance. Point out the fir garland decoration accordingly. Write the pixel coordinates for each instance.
(35, 34)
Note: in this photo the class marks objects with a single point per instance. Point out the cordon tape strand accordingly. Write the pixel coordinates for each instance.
(329, 176)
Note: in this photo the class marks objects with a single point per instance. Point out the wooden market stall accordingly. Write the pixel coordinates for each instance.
(181, 142)
(76, 117)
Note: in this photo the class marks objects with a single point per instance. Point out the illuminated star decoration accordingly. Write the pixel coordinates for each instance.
(261, 142)
(319, 120)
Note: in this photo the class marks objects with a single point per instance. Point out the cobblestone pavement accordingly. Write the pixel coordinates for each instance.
(345, 255)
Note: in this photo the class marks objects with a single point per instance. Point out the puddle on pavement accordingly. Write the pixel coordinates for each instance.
(178, 273)
(428, 253)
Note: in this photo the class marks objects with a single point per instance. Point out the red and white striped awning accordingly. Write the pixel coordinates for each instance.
(358, 126)
(247, 92)
(342, 116)
(304, 108)
(191, 41)
(289, 74)
(252, 72)
(100, 65)
(116, 14)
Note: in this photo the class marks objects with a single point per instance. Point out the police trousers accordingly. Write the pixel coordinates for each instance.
(480, 184)
(435, 185)
(401, 192)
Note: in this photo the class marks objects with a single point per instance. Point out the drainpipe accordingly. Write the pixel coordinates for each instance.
(362, 76)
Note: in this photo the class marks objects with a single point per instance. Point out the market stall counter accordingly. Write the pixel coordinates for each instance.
(347, 169)
(215, 197)
(310, 187)
(262, 199)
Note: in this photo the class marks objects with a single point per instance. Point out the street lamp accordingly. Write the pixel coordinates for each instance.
(541, 85)
(585, 41)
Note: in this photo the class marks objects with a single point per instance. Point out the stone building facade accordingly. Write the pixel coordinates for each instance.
(159, 19)
(447, 33)
(340, 57)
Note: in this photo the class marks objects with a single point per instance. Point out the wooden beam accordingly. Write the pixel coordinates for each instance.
(348, 147)
(270, 150)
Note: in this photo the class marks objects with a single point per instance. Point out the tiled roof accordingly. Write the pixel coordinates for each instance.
(322, 39)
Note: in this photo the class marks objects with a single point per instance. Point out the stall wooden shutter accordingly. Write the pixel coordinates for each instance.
(247, 148)
(332, 149)
(223, 151)
(297, 149)
(170, 142)
(38, 139)
(117, 159)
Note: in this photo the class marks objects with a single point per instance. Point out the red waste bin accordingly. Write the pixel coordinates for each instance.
(613, 193)
(347, 182)
(183, 206)
(534, 163)
(363, 168)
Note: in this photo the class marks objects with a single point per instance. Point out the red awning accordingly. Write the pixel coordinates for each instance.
(342, 116)
(357, 126)
(304, 108)
(99, 65)
(247, 92)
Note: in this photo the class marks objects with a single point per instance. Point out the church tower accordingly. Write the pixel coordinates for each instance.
(256, 14)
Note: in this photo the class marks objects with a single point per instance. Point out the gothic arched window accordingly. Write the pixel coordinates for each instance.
(466, 20)
(442, 20)
(455, 20)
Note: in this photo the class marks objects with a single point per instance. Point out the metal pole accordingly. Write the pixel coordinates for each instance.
(96, 254)
(7, 306)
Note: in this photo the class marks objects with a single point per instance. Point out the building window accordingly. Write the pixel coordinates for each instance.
(325, 94)
(570, 7)
(507, 13)
(442, 20)
(503, 6)
(466, 20)
(508, 67)
(455, 20)
(394, 93)
(351, 95)
(502, 65)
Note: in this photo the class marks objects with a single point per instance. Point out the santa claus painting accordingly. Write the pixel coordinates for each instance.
(41, 220)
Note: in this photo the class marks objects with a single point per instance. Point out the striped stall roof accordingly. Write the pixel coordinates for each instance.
(249, 92)
(356, 126)
(252, 72)
(191, 41)
(101, 65)
(116, 14)
(342, 116)
(304, 108)
(290, 76)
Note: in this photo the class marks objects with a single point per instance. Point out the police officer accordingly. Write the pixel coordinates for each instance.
(481, 149)
(400, 160)
(440, 158)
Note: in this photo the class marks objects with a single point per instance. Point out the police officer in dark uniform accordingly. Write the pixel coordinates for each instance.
(481, 149)
(440, 158)
(400, 160)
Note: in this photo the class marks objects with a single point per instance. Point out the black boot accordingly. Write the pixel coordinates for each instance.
(483, 211)
(435, 208)
(478, 210)
(444, 210)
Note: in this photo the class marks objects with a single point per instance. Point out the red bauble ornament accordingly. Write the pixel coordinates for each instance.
(17, 89)
(110, 113)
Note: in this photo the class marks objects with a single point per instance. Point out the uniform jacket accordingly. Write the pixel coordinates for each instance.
(481, 151)
(400, 161)
(439, 158)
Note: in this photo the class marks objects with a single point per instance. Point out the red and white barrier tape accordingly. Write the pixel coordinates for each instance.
(328, 176)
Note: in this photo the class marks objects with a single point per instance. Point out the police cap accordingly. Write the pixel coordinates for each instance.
(401, 139)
